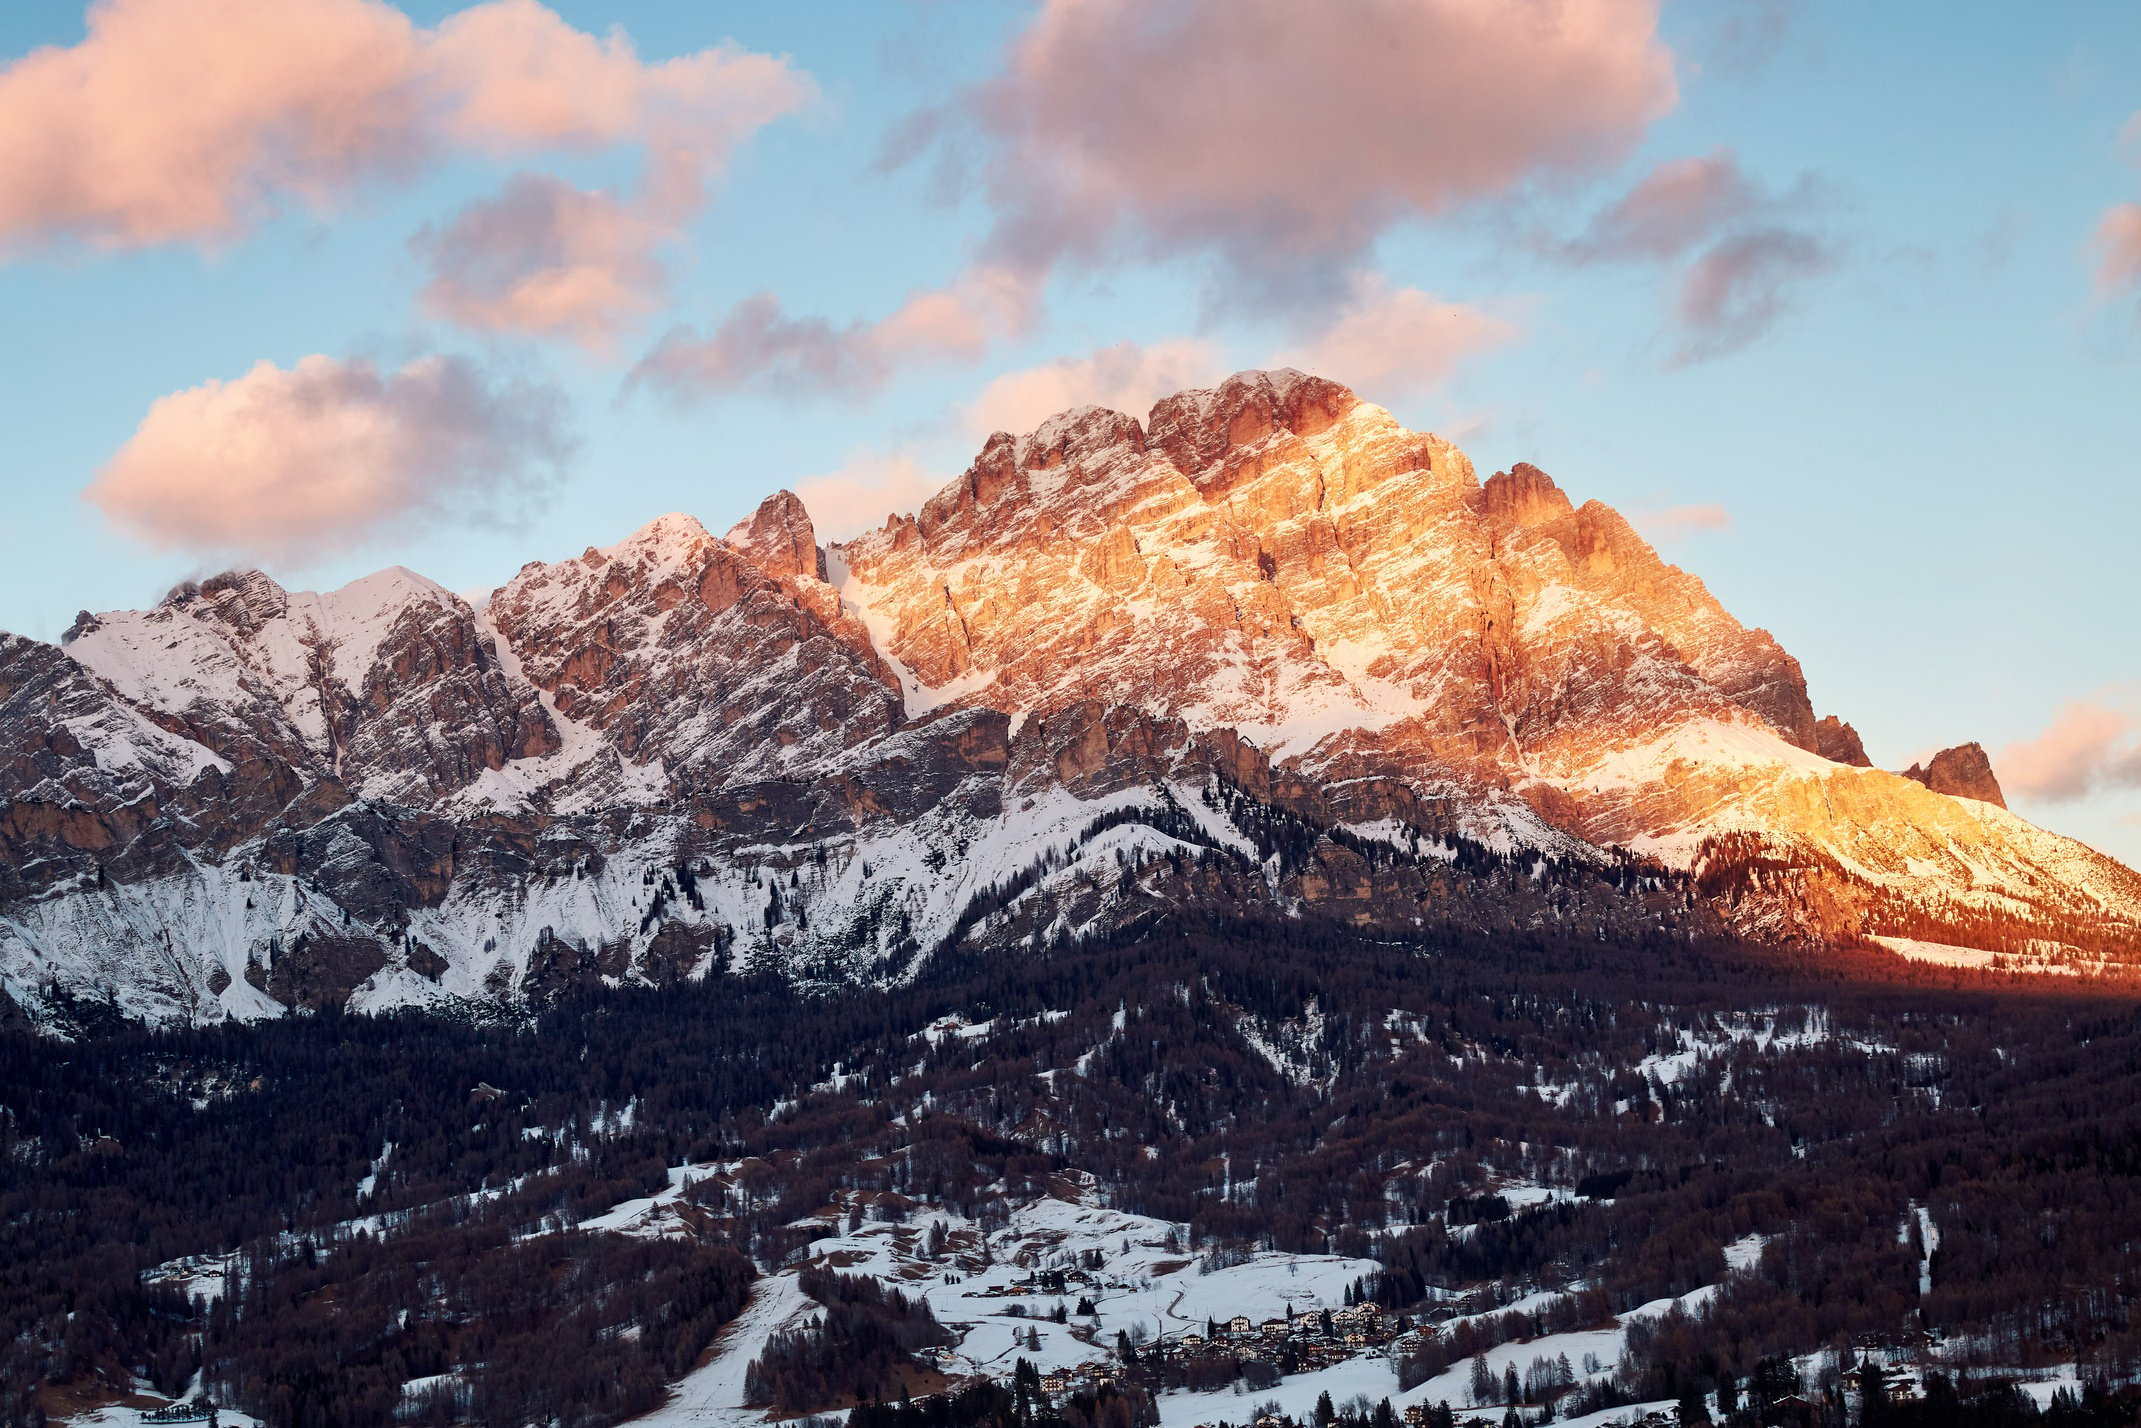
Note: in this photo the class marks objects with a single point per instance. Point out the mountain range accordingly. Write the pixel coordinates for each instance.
(1266, 649)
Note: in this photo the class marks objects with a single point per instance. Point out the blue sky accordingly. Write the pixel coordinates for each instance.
(1916, 466)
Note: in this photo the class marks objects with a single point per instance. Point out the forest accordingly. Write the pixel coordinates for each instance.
(1310, 1088)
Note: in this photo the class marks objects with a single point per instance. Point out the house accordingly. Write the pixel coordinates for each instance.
(1273, 1328)
(1355, 1339)
(1241, 1324)
(1055, 1381)
(1193, 1341)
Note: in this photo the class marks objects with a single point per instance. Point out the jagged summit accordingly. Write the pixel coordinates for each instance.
(1096, 677)
(1964, 771)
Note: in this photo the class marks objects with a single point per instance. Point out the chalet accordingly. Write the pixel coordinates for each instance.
(1192, 1341)
(1273, 1328)
(1355, 1339)
(1241, 1324)
(1055, 1381)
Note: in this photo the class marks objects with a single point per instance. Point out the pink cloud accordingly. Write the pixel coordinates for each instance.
(292, 465)
(2089, 747)
(1285, 136)
(1125, 377)
(758, 345)
(545, 259)
(192, 120)
(1752, 255)
(1735, 292)
(2118, 249)
(1679, 522)
(1680, 204)
(1394, 342)
(862, 493)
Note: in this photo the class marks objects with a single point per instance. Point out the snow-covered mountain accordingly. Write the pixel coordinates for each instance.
(1265, 651)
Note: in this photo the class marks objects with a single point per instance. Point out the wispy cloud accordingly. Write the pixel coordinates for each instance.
(1679, 522)
(2089, 748)
(1126, 377)
(860, 494)
(1388, 343)
(1745, 254)
(757, 345)
(1734, 293)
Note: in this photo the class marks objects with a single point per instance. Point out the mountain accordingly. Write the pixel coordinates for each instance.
(1265, 650)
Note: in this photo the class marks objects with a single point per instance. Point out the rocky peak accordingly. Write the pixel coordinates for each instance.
(704, 658)
(1199, 430)
(1523, 496)
(1839, 743)
(245, 600)
(1963, 771)
(779, 538)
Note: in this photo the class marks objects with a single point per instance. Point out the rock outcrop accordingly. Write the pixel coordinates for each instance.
(1839, 743)
(1964, 771)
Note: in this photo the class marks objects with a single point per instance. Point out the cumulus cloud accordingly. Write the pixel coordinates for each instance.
(1126, 377)
(1735, 292)
(2088, 748)
(192, 120)
(1286, 137)
(546, 259)
(1679, 522)
(758, 345)
(862, 493)
(1395, 342)
(293, 465)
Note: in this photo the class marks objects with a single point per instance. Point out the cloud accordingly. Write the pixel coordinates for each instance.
(1394, 342)
(1287, 137)
(294, 465)
(1752, 254)
(1735, 293)
(1125, 377)
(2089, 747)
(1679, 522)
(2118, 250)
(858, 496)
(545, 259)
(1680, 204)
(193, 120)
(757, 345)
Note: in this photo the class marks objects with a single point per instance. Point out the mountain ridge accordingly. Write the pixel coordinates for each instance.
(1266, 646)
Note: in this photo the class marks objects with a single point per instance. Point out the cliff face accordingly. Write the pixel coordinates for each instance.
(1266, 648)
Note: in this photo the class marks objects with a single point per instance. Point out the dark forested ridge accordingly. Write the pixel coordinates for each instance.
(1311, 1090)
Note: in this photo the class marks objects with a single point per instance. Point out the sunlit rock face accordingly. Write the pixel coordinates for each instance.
(1263, 651)
(1964, 771)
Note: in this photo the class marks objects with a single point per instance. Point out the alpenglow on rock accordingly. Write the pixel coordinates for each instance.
(1265, 652)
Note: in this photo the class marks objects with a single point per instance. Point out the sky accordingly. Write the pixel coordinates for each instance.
(1840, 303)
